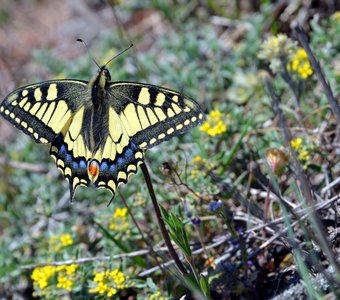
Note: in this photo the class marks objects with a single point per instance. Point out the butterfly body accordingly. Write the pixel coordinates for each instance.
(99, 130)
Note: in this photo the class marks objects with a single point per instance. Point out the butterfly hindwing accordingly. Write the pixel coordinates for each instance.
(42, 110)
(117, 157)
(74, 168)
(113, 173)
(71, 152)
(151, 114)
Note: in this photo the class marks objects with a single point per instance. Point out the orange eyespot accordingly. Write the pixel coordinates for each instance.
(93, 169)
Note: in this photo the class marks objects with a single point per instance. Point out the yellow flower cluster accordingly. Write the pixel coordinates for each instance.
(109, 282)
(275, 46)
(301, 149)
(300, 64)
(216, 123)
(157, 296)
(139, 199)
(66, 276)
(57, 242)
(200, 165)
(296, 144)
(41, 276)
(336, 16)
(119, 220)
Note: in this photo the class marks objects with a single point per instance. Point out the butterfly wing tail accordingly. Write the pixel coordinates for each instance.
(73, 168)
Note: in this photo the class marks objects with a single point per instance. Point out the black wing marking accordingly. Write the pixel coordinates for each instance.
(42, 110)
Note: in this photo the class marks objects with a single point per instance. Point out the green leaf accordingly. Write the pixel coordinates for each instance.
(205, 286)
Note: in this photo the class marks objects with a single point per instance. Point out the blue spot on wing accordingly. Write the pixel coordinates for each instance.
(104, 167)
(68, 158)
(62, 150)
(113, 168)
(128, 154)
(82, 164)
(120, 163)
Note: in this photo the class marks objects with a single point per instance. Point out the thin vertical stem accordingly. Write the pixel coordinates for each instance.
(161, 224)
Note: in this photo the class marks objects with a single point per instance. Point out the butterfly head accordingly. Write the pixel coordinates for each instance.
(105, 73)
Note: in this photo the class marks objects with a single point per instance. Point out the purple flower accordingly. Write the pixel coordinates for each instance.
(195, 221)
(215, 205)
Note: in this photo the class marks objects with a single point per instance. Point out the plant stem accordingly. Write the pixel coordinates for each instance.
(161, 224)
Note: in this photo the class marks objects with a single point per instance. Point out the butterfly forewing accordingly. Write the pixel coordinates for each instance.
(151, 114)
(42, 110)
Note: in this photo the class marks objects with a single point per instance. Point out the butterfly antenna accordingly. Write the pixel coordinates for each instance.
(120, 53)
(88, 50)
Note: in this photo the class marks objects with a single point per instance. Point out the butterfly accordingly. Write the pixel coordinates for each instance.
(99, 130)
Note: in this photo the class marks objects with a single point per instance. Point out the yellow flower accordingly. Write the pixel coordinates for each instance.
(42, 275)
(109, 282)
(198, 159)
(70, 269)
(157, 296)
(300, 64)
(210, 262)
(65, 278)
(216, 123)
(276, 46)
(66, 240)
(57, 242)
(303, 151)
(119, 220)
(64, 282)
(304, 155)
(139, 199)
(296, 144)
(336, 16)
(200, 166)
(120, 213)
